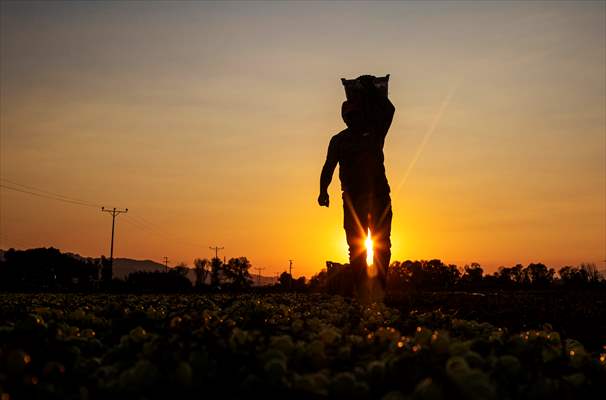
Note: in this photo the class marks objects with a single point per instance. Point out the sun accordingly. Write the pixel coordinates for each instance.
(369, 249)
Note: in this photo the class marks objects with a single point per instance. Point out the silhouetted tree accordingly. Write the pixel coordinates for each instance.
(593, 275)
(47, 268)
(571, 276)
(398, 277)
(236, 272)
(432, 275)
(504, 277)
(318, 282)
(216, 267)
(472, 277)
(287, 282)
(285, 279)
(339, 279)
(539, 276)
(581, 276)
(517, 274)
(440, 275)
(181, 269)
(201, 270)
(298, 284)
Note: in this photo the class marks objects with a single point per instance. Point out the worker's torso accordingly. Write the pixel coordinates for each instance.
(361, 167)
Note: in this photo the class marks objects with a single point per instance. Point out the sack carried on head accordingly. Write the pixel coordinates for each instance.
(356, 88)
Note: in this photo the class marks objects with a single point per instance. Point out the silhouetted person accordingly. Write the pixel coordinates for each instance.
(358, 150)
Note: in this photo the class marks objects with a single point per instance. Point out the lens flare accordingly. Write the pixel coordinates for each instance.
(369, 250)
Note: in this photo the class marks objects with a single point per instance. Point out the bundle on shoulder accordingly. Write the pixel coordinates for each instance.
(358, 87)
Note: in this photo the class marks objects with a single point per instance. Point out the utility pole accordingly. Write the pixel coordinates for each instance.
(290, 272)
(259, 269)
(165, 264)
(114, 212)
(216, 249)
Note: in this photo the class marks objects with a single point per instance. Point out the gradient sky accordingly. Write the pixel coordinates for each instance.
(210, 122)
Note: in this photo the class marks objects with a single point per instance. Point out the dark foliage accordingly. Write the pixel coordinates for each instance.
(434, 275)
(47, 268)
(173, 280)
(287, 346)
(287, 282)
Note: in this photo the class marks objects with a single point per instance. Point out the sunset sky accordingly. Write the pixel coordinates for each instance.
(210, 122)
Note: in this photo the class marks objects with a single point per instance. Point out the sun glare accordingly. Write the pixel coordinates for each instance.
(369, 251)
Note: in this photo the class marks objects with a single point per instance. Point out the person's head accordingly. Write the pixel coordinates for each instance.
(352, 115)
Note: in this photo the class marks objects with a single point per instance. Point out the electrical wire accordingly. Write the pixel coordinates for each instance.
(136, 221)
(46, 192)
(65, 200)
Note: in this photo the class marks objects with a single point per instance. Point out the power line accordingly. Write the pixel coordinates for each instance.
(165, 263)
(136, 224)
(53, 194)
(140, 223)
(137, 221)
(65, 200)
(157, 233)
(146, 222)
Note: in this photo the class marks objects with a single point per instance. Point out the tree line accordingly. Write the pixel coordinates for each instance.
(50, 269)
(214, 274)
(435, 275)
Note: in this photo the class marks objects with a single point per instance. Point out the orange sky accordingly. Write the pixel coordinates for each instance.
(210, 122)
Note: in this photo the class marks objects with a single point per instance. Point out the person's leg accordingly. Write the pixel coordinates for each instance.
(355, 222)
(380, 227)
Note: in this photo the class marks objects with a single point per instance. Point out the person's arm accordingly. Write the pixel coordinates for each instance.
(386, 112)
(381, 112)
(327, 171)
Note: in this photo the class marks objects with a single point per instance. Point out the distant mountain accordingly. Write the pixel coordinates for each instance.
(125, 266)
